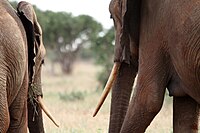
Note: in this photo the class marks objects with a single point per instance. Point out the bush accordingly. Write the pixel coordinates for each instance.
(72, 96)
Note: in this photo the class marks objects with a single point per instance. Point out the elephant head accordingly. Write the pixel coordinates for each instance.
(36, 54)
(126, 17)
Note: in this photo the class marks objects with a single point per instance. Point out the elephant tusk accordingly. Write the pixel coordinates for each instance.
(109, 84)
(44, 108)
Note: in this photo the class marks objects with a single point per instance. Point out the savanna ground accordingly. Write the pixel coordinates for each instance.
(72, 100)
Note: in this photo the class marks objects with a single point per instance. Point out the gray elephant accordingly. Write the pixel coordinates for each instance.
(160, 41)
(21, 58)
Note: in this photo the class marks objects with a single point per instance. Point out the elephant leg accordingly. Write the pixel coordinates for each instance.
(185, 115)
(147, 100)
(18, 117)
(120, 96)
(4, 112)
(18, 110)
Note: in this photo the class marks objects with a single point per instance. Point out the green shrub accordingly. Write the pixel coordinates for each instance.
(72, 96)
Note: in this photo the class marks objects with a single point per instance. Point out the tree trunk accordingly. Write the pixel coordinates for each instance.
(67, 65)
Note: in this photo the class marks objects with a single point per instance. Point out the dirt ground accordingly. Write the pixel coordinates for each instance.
(72, 100)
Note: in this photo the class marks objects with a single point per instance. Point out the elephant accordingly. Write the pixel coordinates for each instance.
(159, 42)
(21, 58)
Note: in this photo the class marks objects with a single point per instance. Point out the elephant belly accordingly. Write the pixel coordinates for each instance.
(183, 40)
(176, 86)
(186, 59)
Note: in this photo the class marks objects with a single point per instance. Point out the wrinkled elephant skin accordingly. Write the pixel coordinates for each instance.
(161, 39)
(20, 66)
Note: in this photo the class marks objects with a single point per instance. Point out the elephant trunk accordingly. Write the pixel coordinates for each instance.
(121, 93)
(108, 86)
(35, 107)
(35, 119)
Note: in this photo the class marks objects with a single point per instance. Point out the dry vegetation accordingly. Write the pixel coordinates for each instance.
(72, 100)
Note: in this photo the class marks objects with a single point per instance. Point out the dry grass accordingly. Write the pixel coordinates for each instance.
(75, 116)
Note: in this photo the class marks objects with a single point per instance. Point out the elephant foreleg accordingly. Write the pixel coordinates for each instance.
(147, 100)
(18, 116)
(4, 112)
(185, 115)
(18, 110)
(142, 109)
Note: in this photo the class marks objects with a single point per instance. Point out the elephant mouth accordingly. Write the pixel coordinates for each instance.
(108, 86)
(34, 96)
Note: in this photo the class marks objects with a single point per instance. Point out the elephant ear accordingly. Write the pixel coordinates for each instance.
(26, 9)
(129, 34)
(122, 38)
(33, 32)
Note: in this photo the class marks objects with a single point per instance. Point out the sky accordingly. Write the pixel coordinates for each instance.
(98, 9)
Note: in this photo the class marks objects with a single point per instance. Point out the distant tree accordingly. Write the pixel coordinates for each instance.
(65, 35)
(103, 51)
(13, 3)
(84, 31)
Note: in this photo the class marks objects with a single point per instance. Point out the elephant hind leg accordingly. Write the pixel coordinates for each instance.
(185, 115)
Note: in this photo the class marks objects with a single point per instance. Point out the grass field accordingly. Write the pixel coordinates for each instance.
(72, 100)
